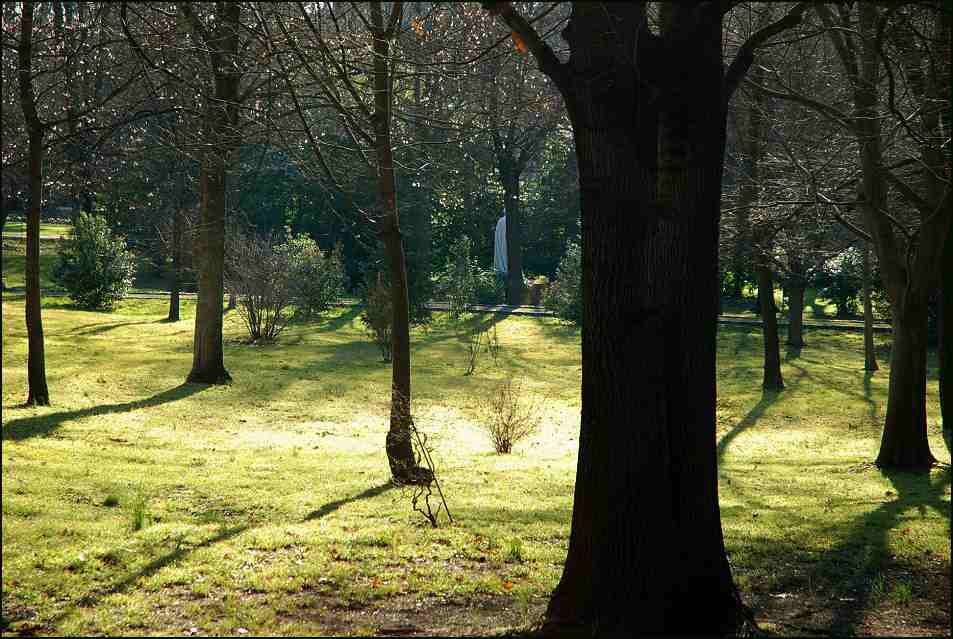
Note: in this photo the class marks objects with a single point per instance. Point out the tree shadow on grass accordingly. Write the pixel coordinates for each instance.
(91, 599)
(40, 425)
(97, 329)
(331, 506)
(857, 564)
(749, 420)
(340, 321)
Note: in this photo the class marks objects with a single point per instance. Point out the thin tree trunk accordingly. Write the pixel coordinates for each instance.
(514, 235)
(176, 264)
(772, 379)
(870, 354)
(646, 556)
(399, 446)
(904, 443)
(208, 361)
(38, 393)
(796, 313)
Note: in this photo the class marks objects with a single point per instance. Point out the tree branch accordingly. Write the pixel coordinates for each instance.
(745, 56)
(545, 57)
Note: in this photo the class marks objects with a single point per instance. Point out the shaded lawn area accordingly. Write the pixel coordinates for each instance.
(267, 504)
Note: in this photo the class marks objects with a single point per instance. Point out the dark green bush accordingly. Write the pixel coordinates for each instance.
(377, 315)
(564, 296)
(316, 278)
(93, 265)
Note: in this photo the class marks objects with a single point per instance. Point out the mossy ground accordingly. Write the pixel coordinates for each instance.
(139, 505)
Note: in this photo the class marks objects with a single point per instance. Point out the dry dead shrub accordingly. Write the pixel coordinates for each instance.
(509, 415)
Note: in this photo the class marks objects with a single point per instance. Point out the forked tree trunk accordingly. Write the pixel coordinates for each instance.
(38, 393)
(870, 353)
(514, 234)
(769, 328)
(399, 446)
(646, 556)
(904, 443)
(796, 313)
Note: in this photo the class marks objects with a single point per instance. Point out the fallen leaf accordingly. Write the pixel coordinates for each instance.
(518, 41)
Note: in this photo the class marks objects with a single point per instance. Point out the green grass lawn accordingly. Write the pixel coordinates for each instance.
(139, 505)
(14, 264)
(47, 229)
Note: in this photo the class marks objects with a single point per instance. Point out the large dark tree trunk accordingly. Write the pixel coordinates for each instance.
(208, 362)
(514, 234)
(870, 353)
(646, 555)
(38, 393)
(399, 445)
(904, 443)
(945, 331)
(796, 313)
(769, 328)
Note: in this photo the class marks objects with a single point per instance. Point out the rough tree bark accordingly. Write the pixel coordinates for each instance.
(208, 362)
(38, 393)
(870, 354)
(399, 446)
(648, 120)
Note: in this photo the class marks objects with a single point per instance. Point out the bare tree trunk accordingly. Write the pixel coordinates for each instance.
(904, 443)
(870, 354)
(38, 393)
(176, 263)
(796, 313)
(208, 361)
(772, 379)
(514, 234)
(945, 334)
(399, 446)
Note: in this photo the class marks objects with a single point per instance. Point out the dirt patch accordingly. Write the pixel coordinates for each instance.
(801, 611)
(414, 615)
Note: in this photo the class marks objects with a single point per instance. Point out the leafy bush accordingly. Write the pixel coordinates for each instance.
(463, 283)
(258, 273)
(268, 278)
(564, 296)
(509, 415)
(316, 278)
(93, 265)
(378, 312)
(840, 281)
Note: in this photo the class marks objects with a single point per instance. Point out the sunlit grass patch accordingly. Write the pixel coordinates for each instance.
(267, 503)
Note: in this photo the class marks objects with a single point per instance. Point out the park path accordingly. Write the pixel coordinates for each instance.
(538, 311)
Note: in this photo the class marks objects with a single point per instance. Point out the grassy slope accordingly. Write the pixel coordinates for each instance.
(270, 508)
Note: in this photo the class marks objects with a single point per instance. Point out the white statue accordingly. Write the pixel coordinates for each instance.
(499, 247)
